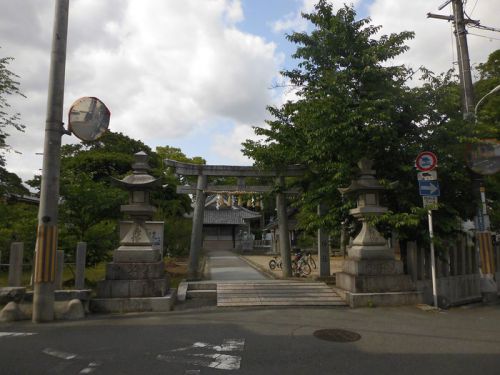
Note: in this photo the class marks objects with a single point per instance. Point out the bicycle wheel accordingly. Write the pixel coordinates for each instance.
(312, 262)
(305, 269)
(272, 264)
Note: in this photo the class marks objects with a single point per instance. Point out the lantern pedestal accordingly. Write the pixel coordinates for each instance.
(371, 275)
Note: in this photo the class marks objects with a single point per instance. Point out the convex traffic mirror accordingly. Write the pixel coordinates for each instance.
(88, 118)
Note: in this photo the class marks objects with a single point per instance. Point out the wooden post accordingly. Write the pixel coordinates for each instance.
(463, 265)
(412, 260)
(16, 264)
(421, 263)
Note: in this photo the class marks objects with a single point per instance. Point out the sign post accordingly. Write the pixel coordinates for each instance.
(429, 190)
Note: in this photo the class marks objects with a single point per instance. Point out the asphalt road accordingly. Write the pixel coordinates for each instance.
(259, 341)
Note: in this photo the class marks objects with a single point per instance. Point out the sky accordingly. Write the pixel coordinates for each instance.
(193, 74)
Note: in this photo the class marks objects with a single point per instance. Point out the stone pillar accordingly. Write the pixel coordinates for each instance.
(323, 251)
(81, 255)
(59, 269)
(284, 239)
(284, 235)
(16, 264)
(197, 230)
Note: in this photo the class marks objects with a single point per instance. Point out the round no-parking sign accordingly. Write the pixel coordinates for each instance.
(426, 161)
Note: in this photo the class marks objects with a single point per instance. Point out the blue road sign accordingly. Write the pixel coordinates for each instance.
(429, 188)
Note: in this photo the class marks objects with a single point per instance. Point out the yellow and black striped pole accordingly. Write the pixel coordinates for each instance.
(46, 241)
(45, 261)
(485, 242)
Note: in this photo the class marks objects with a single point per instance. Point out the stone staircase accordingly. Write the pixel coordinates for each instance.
(195, 294)
(276, 293)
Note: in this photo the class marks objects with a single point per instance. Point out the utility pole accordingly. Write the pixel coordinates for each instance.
(46, 240)
(464, 70)
(463, 60)
(483, 234)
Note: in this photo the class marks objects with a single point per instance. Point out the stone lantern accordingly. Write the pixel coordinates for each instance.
(136, 246)
(369, 243)
(371, 274)
(136, 279)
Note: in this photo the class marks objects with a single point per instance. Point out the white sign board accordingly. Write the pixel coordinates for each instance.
(430, 201)
(427, 176)
(155, 232)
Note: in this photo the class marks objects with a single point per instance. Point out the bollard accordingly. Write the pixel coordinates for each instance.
(59, 269)
(16, 263)
(81, 253)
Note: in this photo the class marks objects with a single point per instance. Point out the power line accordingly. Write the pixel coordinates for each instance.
(484, 36)
(474, 7)
(485, 28)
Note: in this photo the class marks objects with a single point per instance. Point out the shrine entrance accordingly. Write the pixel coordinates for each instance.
(203, 188)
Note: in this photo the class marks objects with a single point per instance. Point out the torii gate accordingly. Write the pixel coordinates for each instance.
(241, 172)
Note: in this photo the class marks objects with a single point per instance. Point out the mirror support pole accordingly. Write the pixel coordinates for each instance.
(46, 241)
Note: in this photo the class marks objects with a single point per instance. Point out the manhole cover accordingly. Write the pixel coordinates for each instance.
(337, 335)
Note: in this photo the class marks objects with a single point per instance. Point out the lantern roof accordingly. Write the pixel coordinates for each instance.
(140, 178)
(366, 180)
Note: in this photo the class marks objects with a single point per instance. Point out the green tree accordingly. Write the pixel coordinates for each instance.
(173, 207)
(90, 202)
(488, 125)
(353, 102)
(9, 86)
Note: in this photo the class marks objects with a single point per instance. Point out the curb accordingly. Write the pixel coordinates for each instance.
(259, 268)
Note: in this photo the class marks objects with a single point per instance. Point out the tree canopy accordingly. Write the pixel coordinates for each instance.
(352, 101)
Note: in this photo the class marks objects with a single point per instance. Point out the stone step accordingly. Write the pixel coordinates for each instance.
(201, 286)
(280, 303)
(277, 293)
(200, 293)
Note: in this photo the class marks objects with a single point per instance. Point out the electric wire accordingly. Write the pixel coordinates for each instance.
(473, 8)
(484, 36)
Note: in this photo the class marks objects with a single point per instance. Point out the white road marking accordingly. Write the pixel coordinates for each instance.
(16, 334)
(222, 361)
(228, 345)
(90, 368)
(59, 354)
(216, 360)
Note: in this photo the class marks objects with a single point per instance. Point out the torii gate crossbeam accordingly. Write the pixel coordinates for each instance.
(203, 171)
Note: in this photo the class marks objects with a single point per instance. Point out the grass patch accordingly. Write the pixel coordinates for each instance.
(175, 267)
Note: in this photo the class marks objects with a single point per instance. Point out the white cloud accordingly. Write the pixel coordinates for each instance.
(164, 68)
(228, 146)
(295, 22)
(434, 45)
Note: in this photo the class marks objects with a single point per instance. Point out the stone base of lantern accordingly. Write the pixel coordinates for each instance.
(379, 281)
(130, 254)
(132, 288)
(133, 280)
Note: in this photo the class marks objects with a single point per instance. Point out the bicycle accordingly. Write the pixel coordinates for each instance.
(310, 260)
(275, 263)
(300, 267)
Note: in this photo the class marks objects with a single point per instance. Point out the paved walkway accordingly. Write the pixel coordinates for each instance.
(224, 265)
